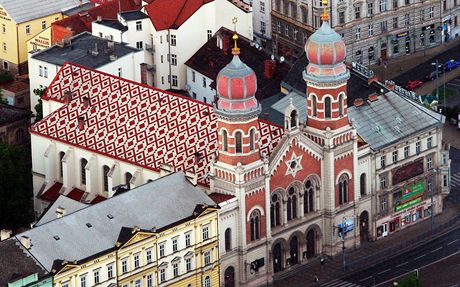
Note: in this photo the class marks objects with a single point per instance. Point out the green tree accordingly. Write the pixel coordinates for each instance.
(411, 280)
(15, 188)
(39, 107)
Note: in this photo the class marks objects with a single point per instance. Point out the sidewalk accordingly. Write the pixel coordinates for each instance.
(303, 275)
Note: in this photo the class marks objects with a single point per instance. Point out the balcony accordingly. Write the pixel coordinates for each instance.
(152, 68)
(150, 48)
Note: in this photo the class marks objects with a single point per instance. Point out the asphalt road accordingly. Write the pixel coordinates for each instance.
(384, 273)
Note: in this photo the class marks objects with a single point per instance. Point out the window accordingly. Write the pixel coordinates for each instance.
(278, 27)
(138, 25)
(304, 13)
(395, 22)
(317, 21)
(83, 281)
(444, 159)
(252, 136)
(429, 163)
(357, 12)
(124, 265)
(209, 33)
(383, 5)
(371, 30)
(343, 189)
(149, 280)
(275, 210)
(286, 30)
(96, 276)
(395, 156)
(3, 28)
(383, 182)
(431, 14)
(205, 232)
(173, 40)
(43, 24)
(358, 33)
(263, 28)
(422, 15)
(418, 147)
(128, 178)
(291, 204)
(362, 184)
(161, 246)
(429, 142)
(162, 275)
(383, 26)
(120, 72)
(139, 45)
(238, 142)
(148, 253)
(136, 260)
(204, 82)
(444, 180)
(193, 76)
(188, 264)
(27, 29)
(382, 161)
(6, 65)
(395, 4)
(61, 167)
(83, 164)
(228, 239)
(407, 2)
(174, 59)
(308, 197)
(174, 80)
(174, 244)
(110, 271)
(407, 19)
(40, 70)
(341, 17)
(162, 78)
(224, 140)
(138, 283)
(207, 258)
(175, 269)
(314, 103)
(161, 58)
(4, 48)
(406, 151)
(327, 108)
(207, 282)
(187, 239)
(383, 203)
(370, 9)
(430, 185)
(262, 7)
(254, 220)
(65, 284)
(105, 173)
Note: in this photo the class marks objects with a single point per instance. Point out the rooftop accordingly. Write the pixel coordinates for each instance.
(63, 202)
(67, 238)
(16, 86)
(78, 9)
(136, 123)
(11, 114)
(133, 15)
(115, 24)
(79, 51)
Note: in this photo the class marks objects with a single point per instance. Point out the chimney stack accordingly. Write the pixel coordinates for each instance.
(373, 97)
(358, 102)
(26, 241)
(143, 73)
(5, 234)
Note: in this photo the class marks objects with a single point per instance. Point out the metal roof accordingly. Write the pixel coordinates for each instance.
(64, 202)
(390, 119)
(156, 204)
(26, 10)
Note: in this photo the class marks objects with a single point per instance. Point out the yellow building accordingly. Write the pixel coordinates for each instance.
(22, 20)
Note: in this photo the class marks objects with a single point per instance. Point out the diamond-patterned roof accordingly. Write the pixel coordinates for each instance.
(136, 123)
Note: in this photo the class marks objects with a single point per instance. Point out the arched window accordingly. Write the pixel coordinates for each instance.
(362, 184)
(327, 108)
(291, 204)
(314, 104)
(293, 119)
(343, 189)
(275, 210)
(128, 177)
(61, 168)
(224, 140)
(341, 104)
(228, 239)
(105, 173)
(252, 138)
(255, 225)
(238, 142)
(207, 282)
(83, 164)
(304, 12)
(308, 197)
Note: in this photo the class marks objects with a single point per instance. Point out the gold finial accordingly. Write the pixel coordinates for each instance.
(325, 16)
(235, 36)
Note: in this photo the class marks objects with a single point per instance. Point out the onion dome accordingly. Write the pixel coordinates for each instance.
(236, 87)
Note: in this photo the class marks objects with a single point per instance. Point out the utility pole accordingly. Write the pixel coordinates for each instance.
(444, 90)
(432, 203)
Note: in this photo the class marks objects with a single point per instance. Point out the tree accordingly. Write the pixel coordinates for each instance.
(15, 188)
(2, 100)
(39, 107)
(411, 280)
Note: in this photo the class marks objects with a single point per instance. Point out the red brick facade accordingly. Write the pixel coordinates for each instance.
(256, 199)
(341, 166)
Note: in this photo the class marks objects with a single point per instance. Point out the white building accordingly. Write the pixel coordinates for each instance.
(262, 21)
(86, 50)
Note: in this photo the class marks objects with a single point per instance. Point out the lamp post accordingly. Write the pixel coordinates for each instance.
(344, 264)
(432, 203)
(437, 77)
(444, 89)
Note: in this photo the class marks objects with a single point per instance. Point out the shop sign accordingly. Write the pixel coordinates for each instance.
(41, 42)
(402, 35)
(408, 204)
(346, 226)
(413, 190)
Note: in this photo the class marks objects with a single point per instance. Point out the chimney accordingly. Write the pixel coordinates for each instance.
(143, 73)
(111, 45)
(373, 97)
(191, 177)
(25, 241)
(60, 212)
(95, 51)
(81, 123)
(5, 234)
(358, 102)
(67, 96)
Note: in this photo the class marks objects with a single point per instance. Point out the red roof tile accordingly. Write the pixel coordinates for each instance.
(136, 123)
(219, 197)
(52, 193)
(15, 86)
(167, 14)
(76, 194)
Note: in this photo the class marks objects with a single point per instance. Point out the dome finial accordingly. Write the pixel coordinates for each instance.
(325, 16)
(235, 49)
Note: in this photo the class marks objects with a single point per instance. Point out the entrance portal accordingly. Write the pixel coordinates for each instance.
(364, 226)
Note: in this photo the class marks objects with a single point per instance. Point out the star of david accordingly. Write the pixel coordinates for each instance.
(293, 165)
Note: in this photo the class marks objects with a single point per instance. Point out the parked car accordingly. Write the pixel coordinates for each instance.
(413, 84)
(451, 65)
(432, 76)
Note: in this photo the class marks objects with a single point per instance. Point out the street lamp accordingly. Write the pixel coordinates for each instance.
(437, 77)
(432, 202)
(341, 233)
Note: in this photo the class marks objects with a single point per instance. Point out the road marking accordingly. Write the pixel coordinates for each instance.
(436, 249)
(402, 264)
(423, 255)
(452, 242)
(365, 279)
(384, 271)
(450, 84)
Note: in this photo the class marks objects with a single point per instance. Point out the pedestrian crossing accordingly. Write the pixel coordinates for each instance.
(340, 283)
(455, 179)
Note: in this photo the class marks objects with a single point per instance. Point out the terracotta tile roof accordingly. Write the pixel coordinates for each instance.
(167, 14)
(76, 194)
(52, 193)
(219, 197)
(137, 123)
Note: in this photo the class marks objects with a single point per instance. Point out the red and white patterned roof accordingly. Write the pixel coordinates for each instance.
(136, 123)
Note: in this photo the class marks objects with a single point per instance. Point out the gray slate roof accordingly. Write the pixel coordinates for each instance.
(77, 52)
(65, 202)
(155, 204)
(26, 10)
(133, 15)
(15, 262)
(391, 118)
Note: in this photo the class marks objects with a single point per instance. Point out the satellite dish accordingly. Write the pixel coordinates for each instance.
(281, 59)
(272, 57)
(257, 45)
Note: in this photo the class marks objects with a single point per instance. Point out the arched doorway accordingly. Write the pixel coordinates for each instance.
(311, 243)
(294, 250)
(364, 226)
(277, 258)
(229, 277)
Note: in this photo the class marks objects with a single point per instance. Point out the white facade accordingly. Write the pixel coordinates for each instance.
(198, 86)
(262, 20)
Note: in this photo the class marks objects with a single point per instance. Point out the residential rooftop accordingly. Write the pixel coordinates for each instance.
(10, 114)
(114, 24)
(133, 15)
